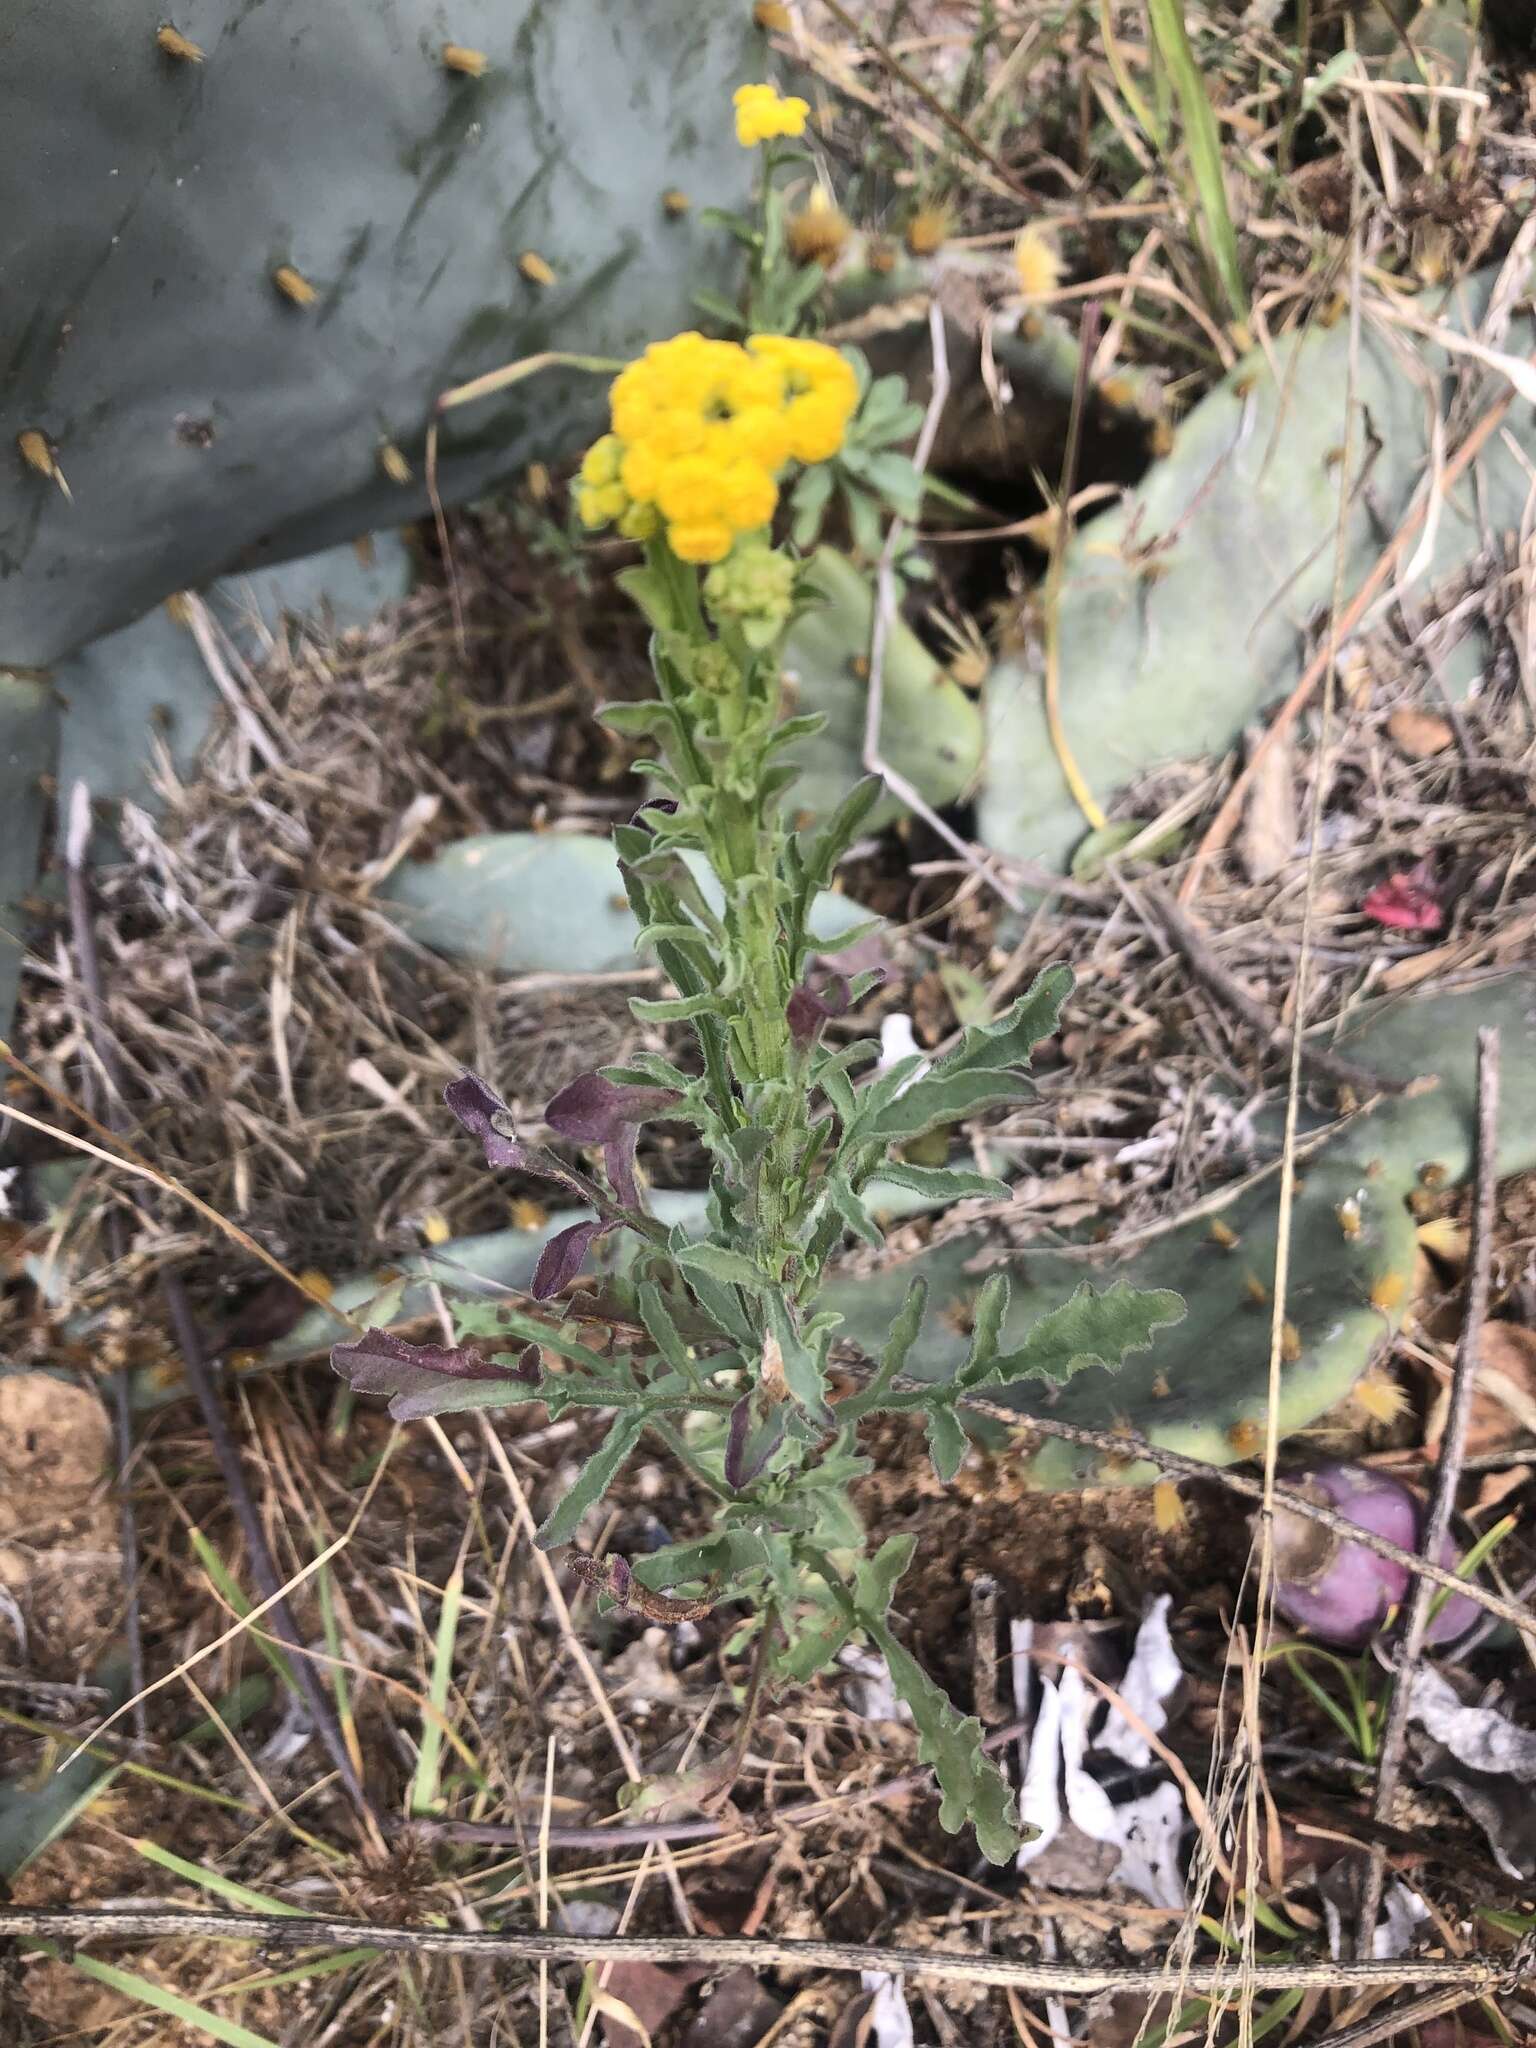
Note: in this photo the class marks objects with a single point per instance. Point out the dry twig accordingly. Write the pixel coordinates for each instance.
(1474, 1974)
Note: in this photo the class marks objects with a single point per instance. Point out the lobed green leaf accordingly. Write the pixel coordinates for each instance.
(971, 1786)
(1090, 1329)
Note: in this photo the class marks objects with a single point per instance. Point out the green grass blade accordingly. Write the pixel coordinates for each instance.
(1126, 86)
(425, 1794)
(218, 1572)
(1203, 140)
(1481, 1550)
(1278, 2013)
(339, 1685)
(238, 1895)
(1328, 1703)
(160, 2000)
(323, 1963)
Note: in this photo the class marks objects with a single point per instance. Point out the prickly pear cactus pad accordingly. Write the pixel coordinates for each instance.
(243, 256)
(1184, 609)
(1202, 1386)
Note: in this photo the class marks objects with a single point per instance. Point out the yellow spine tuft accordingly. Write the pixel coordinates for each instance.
(467, 63)
(176, 45)
(927, 230)
(1387, 1292)
(535, 269)
(294, 285)
(37, 453)
(1246, 1438)
(1168, 1512)
(1037, 264)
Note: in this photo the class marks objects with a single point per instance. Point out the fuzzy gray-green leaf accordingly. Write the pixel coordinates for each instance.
(593, 1481)
(945, 1183)
(947, 1440)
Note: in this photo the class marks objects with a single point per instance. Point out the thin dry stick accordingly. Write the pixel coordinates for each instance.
(1264, 1603)
(549, 1793)
(1225, 822)
(1453, 1446)
(263, 1566)
(247, 1621)
(1072, 775)
(1202, 960)
(201, 622)
(885, 610)
(1477, 1974)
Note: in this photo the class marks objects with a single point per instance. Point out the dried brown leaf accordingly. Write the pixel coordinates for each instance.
(1419, 734)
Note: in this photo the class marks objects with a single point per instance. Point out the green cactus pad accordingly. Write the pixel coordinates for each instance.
(930, 730)
(535, 902)
(1183, 609)
(202, 420)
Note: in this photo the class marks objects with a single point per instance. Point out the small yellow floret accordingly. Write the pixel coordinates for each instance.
(639, 522)
(600, 465)
(708, 541)
(763, 113)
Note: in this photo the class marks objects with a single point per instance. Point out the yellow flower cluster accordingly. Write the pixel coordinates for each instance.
(762, 113)
(703, 429)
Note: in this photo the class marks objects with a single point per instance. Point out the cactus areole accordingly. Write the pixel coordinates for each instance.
(226, 282)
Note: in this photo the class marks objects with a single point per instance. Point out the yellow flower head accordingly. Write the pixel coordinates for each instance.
(701, 432)
(762, 113)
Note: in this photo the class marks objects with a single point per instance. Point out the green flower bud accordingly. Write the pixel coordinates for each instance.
(753, 589)
(713, 670)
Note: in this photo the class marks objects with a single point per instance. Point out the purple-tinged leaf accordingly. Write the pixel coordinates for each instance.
(619, 1165)
(587, 1110)
(748, 1448)
(593, 1111)
(809, 1008)
(560, 1260)
(668, 804)
(420, 1378)
(736, 1443)
(530, 1365)
(483, 1113)
(620, 1579)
